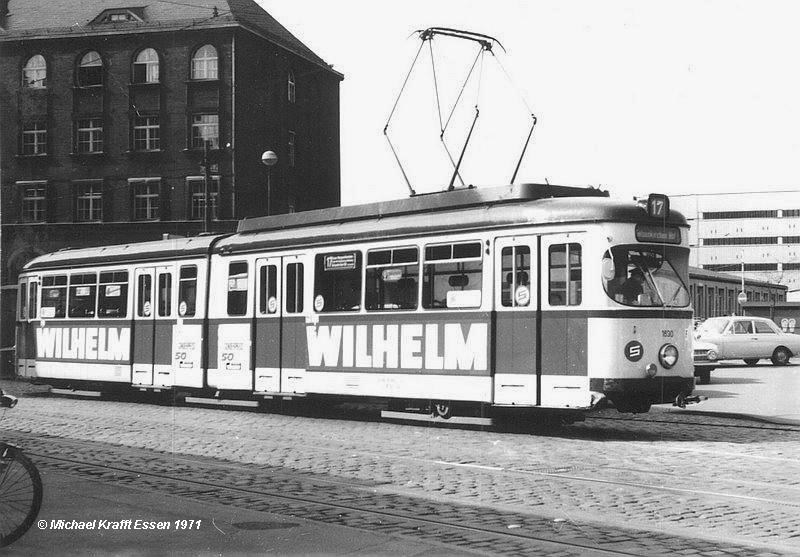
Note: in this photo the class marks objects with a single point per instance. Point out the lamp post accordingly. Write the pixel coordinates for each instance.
(269, 159)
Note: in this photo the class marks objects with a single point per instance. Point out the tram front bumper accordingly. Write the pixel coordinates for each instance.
(655, 390)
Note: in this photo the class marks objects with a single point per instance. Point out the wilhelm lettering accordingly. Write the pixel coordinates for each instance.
(84, 343)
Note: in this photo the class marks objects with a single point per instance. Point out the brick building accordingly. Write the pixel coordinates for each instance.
(106, 107)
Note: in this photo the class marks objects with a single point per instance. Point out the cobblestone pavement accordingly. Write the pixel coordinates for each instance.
(728, 482)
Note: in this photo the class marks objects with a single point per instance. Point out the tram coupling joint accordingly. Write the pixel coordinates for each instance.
(682, 400)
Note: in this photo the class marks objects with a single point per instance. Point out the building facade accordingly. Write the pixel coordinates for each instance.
(714, 294)
(758, 229)
(109, 112)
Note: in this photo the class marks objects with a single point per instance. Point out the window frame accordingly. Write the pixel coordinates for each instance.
(82, 74)
(182, 281)
(391, 265)
(320, 272)
(39, 73)
(452, 259)
(55, 281)
(39, 202)
(135, 183)
(37, 131)
(74, 286)
(291, 87)
(245, 305)
(148, 66)
(89, 135)
(152, 133)
(94, 212)
(195, 64)
(197, 199)
(568, 300)
(197, 131)
(114, 281)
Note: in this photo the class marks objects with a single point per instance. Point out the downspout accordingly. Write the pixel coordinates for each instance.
(233, 126)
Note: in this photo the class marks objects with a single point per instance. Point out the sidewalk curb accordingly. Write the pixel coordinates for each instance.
(738, 416)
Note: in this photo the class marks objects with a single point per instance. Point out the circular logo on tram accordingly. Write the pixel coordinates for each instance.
(522, 295)
(319, 302)
(272, 304)
(634, 351)
(146, 309)
(182, 309)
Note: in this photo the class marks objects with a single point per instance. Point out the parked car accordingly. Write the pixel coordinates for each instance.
(740, 338)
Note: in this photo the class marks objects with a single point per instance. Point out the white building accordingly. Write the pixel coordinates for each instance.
(761, 229)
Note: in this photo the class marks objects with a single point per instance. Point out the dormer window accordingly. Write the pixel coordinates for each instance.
(90, 70)
(119, 15)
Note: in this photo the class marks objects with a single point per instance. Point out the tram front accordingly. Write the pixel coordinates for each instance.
(641, 345)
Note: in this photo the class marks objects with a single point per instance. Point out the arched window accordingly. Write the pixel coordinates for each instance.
(290, 87)
(204, 63)
(145, 67)
(90, 70)
(35, 72)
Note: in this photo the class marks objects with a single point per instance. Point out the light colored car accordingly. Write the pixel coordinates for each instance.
(740, 338)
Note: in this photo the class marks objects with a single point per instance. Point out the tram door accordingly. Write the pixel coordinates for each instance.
(564, 374)
(26, 339)
(153, 320)
(516, 302)
(268, 322)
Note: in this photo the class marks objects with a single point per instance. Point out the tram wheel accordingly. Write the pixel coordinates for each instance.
(443, 409)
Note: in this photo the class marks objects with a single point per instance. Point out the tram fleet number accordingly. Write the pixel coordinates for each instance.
(667, 333)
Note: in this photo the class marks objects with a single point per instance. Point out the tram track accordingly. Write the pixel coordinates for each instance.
(359, 505)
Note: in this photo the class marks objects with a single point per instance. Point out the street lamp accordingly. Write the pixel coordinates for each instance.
(270, 159)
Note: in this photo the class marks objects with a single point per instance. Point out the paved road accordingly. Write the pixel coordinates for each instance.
(700, 484)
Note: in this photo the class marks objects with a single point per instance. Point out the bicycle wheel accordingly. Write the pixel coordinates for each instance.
(20, 494)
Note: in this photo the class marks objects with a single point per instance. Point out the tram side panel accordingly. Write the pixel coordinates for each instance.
(83, 332)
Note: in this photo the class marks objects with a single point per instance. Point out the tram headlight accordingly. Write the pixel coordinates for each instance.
(668, 355)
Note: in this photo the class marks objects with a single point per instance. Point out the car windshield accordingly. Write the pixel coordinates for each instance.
(713, 326)
(646, 276)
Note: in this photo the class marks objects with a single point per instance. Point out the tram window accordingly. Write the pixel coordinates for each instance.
(32, 300)
(294, 288)
(187, 291)
(452, 276)
(164, 294)
(515, 276)
(23, 301)
(392, 279)
(650, 276)
(337, 282)
(82, 295)
(144, 302)
(237, 288)
(54, 296)
(112, 300)
(565, 275)
(268, 289)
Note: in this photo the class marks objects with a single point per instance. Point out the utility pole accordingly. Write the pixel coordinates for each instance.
(207, 188)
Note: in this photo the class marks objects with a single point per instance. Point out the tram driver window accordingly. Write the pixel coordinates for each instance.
(237, 288)
(565, 275)
(187, 291)
(337, 281)
(392, 279)
(515, 276)
(452, 276)
(54, 296)
(112, 300)
(82, 295)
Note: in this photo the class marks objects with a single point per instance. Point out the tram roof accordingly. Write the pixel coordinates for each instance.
(423, 203)
(172, 248)
(469, 211)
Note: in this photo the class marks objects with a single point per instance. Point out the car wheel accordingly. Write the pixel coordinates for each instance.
(781, 356)
(751, 361)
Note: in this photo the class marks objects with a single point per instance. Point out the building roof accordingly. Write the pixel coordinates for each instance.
(698, 273)
(32, 19)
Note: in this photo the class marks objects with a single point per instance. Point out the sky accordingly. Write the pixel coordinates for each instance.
(631, 96)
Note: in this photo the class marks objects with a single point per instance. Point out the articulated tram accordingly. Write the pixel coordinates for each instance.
(523, 297)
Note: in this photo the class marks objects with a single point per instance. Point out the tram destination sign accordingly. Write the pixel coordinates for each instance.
(663, 234)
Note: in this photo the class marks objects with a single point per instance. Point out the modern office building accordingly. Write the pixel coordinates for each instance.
(108, 107)
(759, 229)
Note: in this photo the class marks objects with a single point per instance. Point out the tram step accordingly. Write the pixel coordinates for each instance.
(417, 417)
(221, 401)
(73, 392)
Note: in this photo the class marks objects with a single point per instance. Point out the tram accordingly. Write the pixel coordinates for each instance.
(518, 297)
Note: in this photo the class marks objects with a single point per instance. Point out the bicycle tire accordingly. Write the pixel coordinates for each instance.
(20, 494)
